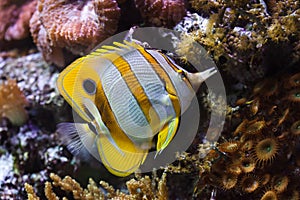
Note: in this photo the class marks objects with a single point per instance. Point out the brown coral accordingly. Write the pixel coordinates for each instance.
(266, 150)
(269, 195)
(295, 129)
(229, 147)
(12, 103)
(162, 12)
(254, 127)
(280, 183)
(249, 183)
(30, 192)
(228, 181)
(77, 26)
(14, 19)
(294, 96)
(294, 81)
(265, 179)
(139, 188)
(247, 165)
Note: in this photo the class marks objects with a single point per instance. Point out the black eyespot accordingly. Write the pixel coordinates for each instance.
(89, 86)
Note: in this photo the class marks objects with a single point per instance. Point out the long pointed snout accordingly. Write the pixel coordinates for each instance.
(196, 79)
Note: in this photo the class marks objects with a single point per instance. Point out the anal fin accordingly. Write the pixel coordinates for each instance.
(120, 164)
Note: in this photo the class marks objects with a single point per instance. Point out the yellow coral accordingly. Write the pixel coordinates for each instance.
(139, 188)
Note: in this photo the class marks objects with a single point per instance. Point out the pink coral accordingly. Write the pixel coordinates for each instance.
(14, 19)
(77, 26)
(162, 12)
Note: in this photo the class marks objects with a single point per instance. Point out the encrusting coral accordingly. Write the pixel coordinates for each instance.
(244, 37)
(165, 13)
(12, 103)
(75, 26)
(14, 19)
(138, 188)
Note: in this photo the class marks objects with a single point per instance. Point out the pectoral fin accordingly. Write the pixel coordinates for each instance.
(78, 136)
(166, 135)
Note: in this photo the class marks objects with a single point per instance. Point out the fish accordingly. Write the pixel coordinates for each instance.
(126, 96)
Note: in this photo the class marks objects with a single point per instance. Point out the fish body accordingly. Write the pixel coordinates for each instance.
(126, 94)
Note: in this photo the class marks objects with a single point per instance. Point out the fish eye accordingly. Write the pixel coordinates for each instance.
(89, 86)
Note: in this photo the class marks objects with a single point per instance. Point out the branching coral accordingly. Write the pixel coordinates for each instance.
(161, 12)
(139, 188)
(12, 103)
(77, 26)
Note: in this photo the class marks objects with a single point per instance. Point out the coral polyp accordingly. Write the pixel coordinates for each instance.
(294, 96)
(234, 169)
(241, 127)
(249, 183)
(254, 127)
(228, 181)
(295, 129)
(280, 183)
(265, 179)
(255, 106)
(294, 81)
(247, 145)
(12, 103)
(269, 195)
(266, 150)
(229, 147)
(247, 165)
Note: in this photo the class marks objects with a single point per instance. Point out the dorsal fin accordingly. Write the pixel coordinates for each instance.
(117, 48)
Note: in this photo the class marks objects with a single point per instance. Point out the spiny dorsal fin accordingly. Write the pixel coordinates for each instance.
(117, 48)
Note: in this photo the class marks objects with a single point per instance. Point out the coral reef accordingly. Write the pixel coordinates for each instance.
(165, 13)
(246, 38)
(12, 103)
(75, 26)
(138, 188)
(256, 47)
(14, 20)
(257, 156)
(63, 30)
(30, 154)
